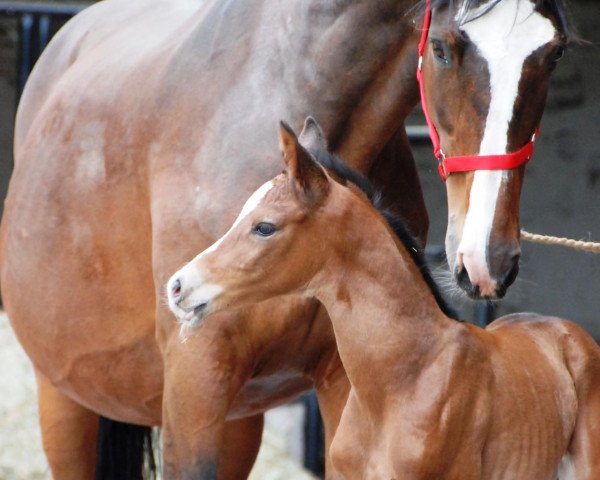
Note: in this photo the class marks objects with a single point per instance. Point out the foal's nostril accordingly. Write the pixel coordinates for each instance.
(176, 289)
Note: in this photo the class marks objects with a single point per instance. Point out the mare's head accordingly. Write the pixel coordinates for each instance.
(486, 70)
(286, 234)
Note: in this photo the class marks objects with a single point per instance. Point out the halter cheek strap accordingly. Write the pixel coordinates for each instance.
(465, 163)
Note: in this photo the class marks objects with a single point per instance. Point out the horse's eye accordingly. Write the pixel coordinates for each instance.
(557, 54)
(264, 229)
(439, 51)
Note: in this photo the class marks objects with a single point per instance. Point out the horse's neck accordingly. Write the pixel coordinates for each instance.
(385, 318)
(351, 64)
(357, 63)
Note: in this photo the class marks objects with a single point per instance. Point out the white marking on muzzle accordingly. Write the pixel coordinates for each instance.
(505, 37)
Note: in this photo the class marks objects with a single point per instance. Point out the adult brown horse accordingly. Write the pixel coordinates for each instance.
(139, 135)
(431, 397)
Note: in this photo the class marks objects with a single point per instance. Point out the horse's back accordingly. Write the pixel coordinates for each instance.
(561, 341)
(107, 37)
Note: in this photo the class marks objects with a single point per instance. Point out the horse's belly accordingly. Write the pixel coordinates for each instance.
(76, 274)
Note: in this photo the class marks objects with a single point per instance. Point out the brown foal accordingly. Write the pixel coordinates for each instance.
(431, 397)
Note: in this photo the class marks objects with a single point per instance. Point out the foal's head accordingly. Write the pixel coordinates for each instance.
(293, 229)
(274, 247)
(486, 70)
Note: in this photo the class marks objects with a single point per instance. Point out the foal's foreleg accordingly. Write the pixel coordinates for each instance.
(69, 433)
(582, 461)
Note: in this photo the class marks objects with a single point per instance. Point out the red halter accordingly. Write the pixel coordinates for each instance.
(466, 163)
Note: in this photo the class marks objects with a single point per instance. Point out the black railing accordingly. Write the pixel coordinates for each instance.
(36, 22)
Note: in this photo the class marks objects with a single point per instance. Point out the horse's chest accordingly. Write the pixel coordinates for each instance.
(264, 392)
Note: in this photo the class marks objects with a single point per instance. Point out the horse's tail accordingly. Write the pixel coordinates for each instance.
(124, 451)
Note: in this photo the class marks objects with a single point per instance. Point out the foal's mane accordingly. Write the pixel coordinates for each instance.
(556, 7)
(345, 173)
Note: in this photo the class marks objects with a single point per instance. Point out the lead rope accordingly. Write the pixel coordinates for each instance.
(562, 241)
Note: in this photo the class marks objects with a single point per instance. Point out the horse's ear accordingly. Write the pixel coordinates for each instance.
(307, 177)
(312, 135)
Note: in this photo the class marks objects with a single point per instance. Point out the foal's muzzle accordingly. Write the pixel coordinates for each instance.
(175, 292)
(189, 295)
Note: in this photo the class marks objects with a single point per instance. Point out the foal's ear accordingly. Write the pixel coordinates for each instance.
(312, 135)
(307, 176)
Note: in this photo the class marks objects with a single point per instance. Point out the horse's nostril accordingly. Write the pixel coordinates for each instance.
(464, 282)
(512, 273)
(176, 289)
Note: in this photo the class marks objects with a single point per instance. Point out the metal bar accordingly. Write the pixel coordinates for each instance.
(435, 253)
(313, 435)
(42, 8)
(25, 50)
(44, 23)
(417, 132)
(484, 313)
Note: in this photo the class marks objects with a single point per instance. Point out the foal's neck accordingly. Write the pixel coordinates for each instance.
(385, 317)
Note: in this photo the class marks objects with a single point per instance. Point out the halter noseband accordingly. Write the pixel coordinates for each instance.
(465, 163)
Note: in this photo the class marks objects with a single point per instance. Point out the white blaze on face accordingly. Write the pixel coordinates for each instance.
(194, 286)
(249, 206)
(504, 37)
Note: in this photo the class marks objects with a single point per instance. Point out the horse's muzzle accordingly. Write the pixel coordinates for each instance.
(500, 282)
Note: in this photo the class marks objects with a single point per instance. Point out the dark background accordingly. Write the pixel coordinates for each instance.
(561, 195)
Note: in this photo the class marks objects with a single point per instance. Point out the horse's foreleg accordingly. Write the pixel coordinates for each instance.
(69, 433)
(241, 442)
(193, 428)
(202, 376)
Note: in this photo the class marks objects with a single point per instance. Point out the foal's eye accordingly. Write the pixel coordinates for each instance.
(439, 51)
(264, 229)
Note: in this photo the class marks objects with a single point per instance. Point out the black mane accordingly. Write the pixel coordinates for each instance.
(556, 7)
(344, 172)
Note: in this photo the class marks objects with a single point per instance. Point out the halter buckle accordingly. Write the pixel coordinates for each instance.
(441, 166)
